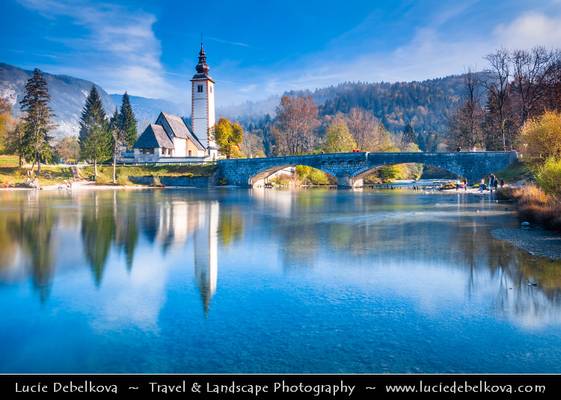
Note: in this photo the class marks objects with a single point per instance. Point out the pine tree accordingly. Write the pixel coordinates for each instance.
(37, 120)
(408, 135)
(127, 121)
(95, 138)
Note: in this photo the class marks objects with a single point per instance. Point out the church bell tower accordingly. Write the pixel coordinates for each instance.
(202, 106)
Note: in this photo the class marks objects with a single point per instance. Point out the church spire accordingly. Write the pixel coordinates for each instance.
(202, 66)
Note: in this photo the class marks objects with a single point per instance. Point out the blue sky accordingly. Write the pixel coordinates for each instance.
(260, 48)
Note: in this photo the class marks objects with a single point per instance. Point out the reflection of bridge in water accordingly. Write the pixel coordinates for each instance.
(350, 168)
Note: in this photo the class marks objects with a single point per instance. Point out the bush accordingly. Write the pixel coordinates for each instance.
(534, 205)
(541, 137)
(311, 176)
(397, 172)
(549, 177)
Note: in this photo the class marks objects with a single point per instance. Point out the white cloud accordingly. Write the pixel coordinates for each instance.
(119, 51)
(430, 53)
(529, 30)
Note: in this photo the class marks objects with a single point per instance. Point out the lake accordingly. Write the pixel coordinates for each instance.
(239, 280)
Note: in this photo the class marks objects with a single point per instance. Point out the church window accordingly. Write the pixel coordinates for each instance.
(200, 88)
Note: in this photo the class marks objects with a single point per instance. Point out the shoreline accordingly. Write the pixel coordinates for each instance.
(535, 241)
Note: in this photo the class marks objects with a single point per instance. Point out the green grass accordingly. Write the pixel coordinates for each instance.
(516, 172)
(50, 175)
(105, 173)
(8, 161)
(11, 175)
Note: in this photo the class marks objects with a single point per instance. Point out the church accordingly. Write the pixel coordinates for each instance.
(170, 138)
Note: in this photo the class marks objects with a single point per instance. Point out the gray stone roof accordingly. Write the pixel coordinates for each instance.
(153, 137)
(179, 128)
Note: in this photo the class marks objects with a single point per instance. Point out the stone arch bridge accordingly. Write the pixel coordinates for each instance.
(350, 168)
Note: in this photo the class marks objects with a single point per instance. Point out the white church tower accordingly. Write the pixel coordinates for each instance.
(202, 106)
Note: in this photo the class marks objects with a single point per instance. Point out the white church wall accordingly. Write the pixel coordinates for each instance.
(180, 147)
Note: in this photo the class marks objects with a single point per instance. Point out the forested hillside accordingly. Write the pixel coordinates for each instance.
(426, 105)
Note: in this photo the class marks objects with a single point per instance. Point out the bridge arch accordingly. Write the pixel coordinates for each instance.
(262, 175)
(358, 179)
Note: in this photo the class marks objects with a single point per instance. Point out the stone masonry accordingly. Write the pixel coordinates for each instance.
(350, 168)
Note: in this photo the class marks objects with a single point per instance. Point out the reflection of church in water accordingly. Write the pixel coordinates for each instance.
(178, 222)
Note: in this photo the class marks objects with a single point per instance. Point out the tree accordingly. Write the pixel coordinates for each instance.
(408, 135)
(466, 122)
(499, 130)
(68, 149)
(552, 98)
(530, 71)
(7, 123)
(15, 142)
(339, 138)
(369, 133)
(95, 138)
(548, 177)
(294, 126)
(228, 137)
(541, 137)
(498, 94)
(252, 145)
(37, 120)
(127, 121)
(118, 138)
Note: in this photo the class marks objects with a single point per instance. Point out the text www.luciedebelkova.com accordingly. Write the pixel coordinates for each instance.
(464, 387)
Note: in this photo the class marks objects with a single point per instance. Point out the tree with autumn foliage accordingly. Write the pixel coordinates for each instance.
(339, 138)
(295, 124)
(228, 136)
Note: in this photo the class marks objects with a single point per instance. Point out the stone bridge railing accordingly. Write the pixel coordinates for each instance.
(350, 168)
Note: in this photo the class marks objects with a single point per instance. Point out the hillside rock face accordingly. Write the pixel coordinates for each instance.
(68, 95)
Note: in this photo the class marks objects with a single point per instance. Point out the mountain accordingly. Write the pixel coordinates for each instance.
(146, 110)
(68, 95)
(427, 104)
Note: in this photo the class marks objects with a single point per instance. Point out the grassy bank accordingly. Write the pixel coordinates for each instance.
(517, 172)
(11, 175)
(538, 199)
(105, 173)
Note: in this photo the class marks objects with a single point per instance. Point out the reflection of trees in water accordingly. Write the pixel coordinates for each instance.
(108, 219)
(98, 232)
(457, 236)
(126, 221)
(113, 221)
(230, 225)
(30, 228)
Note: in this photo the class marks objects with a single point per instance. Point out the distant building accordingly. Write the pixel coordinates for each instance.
(170, 137)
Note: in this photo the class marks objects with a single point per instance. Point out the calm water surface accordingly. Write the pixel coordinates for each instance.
(270, 281)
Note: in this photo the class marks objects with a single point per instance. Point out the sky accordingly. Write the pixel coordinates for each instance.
(261, 48)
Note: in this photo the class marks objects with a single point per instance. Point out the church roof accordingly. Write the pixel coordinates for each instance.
(153, 137)
(179, 128)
